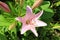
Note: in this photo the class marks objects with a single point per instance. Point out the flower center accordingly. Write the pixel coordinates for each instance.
(28, 22)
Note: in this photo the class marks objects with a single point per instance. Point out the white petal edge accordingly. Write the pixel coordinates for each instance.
(19, 19)
(34, 31)
(24, 29)
(38, 14)
(29, 10)
(40, 23)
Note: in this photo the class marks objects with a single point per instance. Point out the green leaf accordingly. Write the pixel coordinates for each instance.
(56, 26)
(57, 3)
(5, 21)
(45, 5)
(48, 13)
(2, 37)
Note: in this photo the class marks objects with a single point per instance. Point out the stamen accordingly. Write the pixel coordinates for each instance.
(27, 22)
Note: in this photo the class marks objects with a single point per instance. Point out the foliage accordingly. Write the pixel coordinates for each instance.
(51, 16)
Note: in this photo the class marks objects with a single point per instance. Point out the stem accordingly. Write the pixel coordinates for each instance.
(20, 11)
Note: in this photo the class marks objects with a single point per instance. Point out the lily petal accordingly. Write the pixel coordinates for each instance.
(19, 19)
(40, 23)
(29, 13)
(29, 10)
(38, 14)
(34, 31)
(24, 29)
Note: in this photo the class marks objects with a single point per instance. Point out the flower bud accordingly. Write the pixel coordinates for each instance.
(4, 6)
(21, 2)
(12, 26)
(36, 3)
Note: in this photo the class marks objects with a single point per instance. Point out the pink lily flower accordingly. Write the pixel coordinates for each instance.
(30, 21)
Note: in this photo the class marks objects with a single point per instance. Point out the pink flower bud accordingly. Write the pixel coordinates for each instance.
(12, 26)
(37, 3)
(4, 6)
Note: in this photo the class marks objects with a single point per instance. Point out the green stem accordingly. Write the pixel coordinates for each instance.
(21, 5)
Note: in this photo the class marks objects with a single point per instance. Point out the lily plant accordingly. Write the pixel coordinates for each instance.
(30, 21)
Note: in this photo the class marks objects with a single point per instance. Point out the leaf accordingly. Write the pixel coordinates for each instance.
(45, 5)
(2, 37)
(5, 21)
(47, 15)
(56, 26)
(57, 3)
(13, 11)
